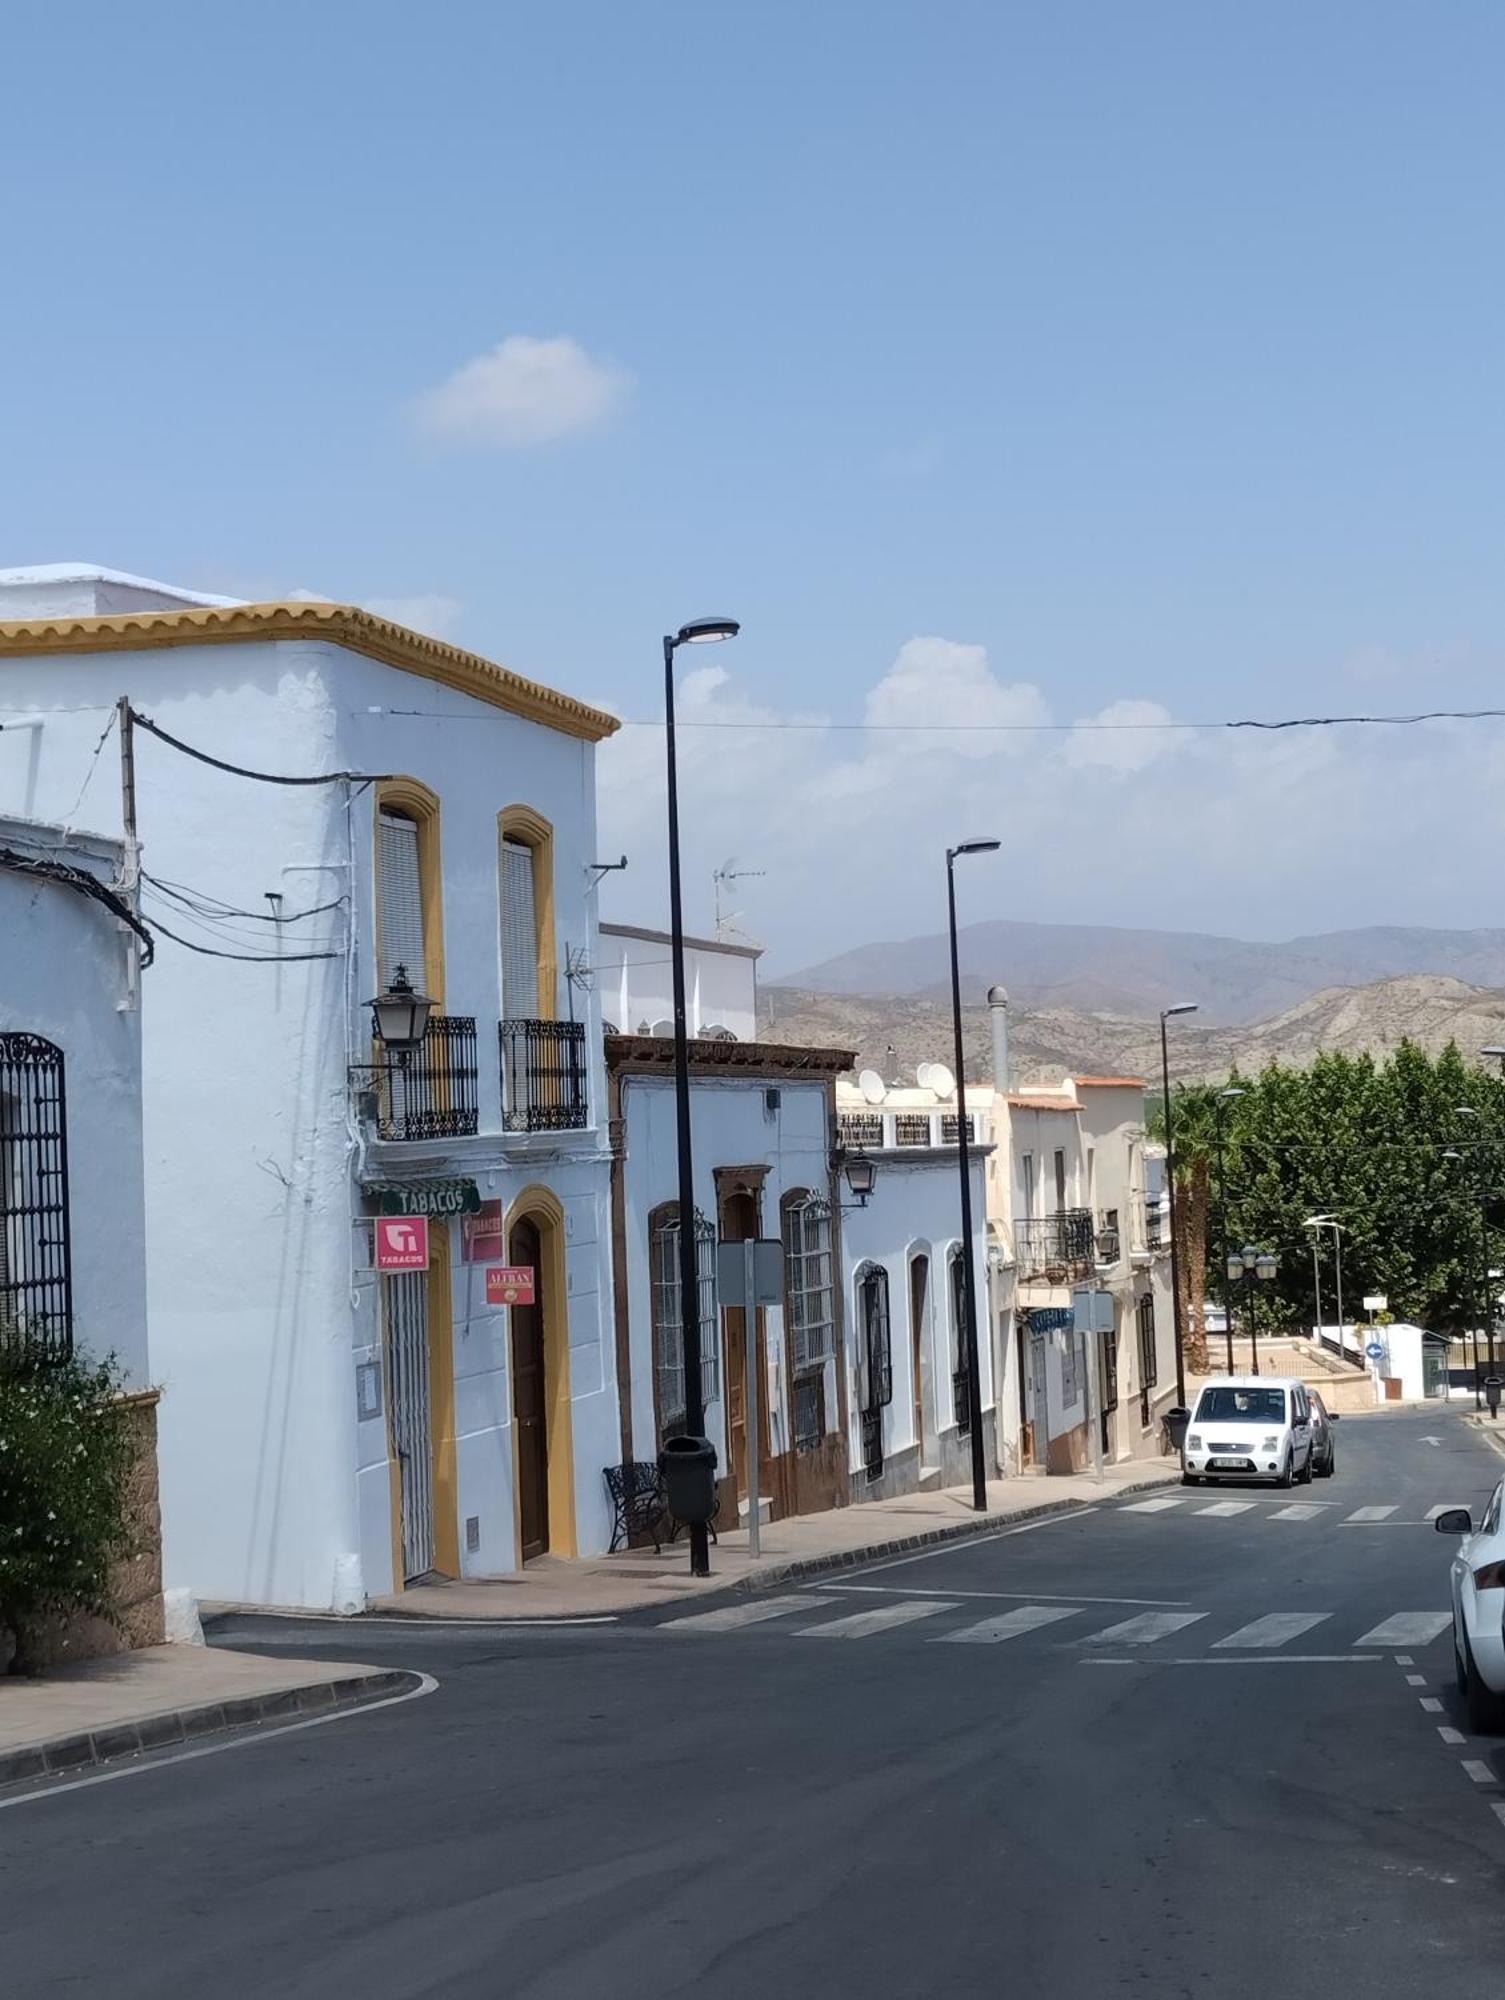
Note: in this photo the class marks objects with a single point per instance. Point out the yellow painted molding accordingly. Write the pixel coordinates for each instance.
(339, 624)
(412, 796)
(527, 825)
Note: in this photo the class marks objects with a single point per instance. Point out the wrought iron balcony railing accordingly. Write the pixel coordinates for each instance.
(543, 1076)
(433, 1094)
(1055, 1247)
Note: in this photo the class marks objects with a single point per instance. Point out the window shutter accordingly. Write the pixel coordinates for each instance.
(519, 934)
(401, 906)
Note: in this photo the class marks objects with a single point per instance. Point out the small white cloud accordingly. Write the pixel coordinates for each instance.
(1124, 737)
(937, 684)
(433, 614)
(524, 392)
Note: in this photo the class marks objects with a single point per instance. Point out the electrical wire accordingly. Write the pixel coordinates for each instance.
(86, 885)
(241, 771)
(244, 957)
(104, 737)
(199, 903)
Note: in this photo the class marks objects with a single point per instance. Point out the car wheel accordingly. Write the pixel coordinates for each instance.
(1304, 1477)
(1486, 1709)
(1286, 1474)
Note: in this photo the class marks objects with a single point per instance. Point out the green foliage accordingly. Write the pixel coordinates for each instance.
(1367, 1142)
(66, 1446)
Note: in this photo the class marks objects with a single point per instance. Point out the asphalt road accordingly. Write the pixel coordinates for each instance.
(1194, 1759)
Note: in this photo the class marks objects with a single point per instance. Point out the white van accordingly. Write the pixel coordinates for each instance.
(1250, 1427)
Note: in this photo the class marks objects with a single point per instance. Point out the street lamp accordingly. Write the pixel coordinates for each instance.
(1316, 1223)
(400, 1017)
(1452, 1153)
(964, 1171)
(1181, 1007)
(1250, 1263)
(1222, 1101)
(697, 632)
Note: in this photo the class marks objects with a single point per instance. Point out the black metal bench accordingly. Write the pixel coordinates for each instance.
(641, 1506)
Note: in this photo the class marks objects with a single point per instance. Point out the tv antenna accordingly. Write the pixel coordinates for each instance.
(728, 872)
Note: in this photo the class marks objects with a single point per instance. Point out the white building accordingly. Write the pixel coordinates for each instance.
(329, 1431)
(635, 979)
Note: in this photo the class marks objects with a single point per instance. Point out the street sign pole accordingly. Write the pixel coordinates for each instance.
(750, 1348)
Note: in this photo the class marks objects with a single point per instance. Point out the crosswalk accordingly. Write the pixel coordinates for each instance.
(1329, 1511)
(808, 1615)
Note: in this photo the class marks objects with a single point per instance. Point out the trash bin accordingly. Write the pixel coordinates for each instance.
(1492, 1386)
(1176, 1421)
(688, 1465)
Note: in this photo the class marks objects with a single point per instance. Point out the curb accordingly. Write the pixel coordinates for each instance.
(59, 1754)
(1489, 1432)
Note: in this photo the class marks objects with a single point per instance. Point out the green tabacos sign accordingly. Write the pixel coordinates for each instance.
(432, 1198)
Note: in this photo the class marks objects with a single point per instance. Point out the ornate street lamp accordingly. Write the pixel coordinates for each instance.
(400, 1017)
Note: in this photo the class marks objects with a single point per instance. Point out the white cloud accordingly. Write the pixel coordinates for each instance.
(524, 392)
(427, 612)
(1246, 833)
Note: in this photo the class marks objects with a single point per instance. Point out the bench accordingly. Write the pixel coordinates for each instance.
(641, 1506)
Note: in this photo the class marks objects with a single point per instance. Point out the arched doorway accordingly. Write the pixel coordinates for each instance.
(539, 1344)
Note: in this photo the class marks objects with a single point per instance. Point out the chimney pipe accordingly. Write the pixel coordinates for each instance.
(998, 1008)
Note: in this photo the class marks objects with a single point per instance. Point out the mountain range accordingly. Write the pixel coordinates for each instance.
(1084, 969)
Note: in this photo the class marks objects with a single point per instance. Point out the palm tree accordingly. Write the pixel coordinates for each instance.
(1197, 1115)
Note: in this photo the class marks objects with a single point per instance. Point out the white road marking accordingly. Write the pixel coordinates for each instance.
(1274, 1629)
(1009, 1625)
(1499, 1811)
(1431, 1704)
(757, 1611)
(1146, 1629)
(1449, 1734)
(1364, 1514)
(862, 1624)
(1013, 1596)
(1151, 1506)
(147, 1761)
(1416, 1680)
(1269, 1660)
(1446, 1507)
(1407, 1628)
(1299, 1510)
(1226, 1507)
(1478, 1770)
(1404, 1660)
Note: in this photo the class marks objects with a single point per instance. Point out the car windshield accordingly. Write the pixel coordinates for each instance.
(1224, 1405)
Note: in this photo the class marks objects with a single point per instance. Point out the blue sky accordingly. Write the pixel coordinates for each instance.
(1138, 354)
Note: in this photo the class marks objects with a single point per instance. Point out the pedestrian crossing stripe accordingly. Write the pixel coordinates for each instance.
(1263, 1636)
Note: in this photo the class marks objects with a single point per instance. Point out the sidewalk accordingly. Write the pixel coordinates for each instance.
(84, 1714)
(805, 1545)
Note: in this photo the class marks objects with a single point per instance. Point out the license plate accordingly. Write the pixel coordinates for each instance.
(1229, 1464)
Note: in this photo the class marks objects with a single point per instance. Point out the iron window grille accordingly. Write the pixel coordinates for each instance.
(36, 1275)
(951, 1132)
(1154, 1224)
(961, 1401)
(860, 1128)
(1108, 1352)
(1071, 1360)
(543, 1075)
(433, 1094)
(809, 1411)
(877, 1362)
(809, 1291)
(912, 1128)
(668, 1337)
(1148, 1370)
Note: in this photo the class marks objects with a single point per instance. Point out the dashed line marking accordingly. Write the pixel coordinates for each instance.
(1431, 1704)
(1478, 1770)
(1449, 1734)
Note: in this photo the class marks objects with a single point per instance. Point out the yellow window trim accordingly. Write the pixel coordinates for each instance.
(344, 625)
(413, 797)
(527, 825)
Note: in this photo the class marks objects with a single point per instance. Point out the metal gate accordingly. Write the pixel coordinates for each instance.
(407, 1317)
(1039, 1395)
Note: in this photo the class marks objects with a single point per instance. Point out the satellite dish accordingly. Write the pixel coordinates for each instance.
(662, 1029)
(924, 1074)
(939, 1079)
(872, 1086)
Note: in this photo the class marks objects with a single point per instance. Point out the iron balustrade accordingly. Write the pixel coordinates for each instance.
(543, 1076)
(433, 1094)
(36, 1282)
(860, 1128)
(1052, 1246)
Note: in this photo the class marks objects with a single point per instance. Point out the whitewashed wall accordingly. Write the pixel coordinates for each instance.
(731, 1125)
(636, 984)
(63, 970)
(1042, 1133)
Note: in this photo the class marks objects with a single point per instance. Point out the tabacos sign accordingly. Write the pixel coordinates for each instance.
(402, 1243)
(439, 1199)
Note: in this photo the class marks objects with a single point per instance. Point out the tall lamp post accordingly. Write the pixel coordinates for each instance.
(1250, 1263)
(1181, 1007)
(1452, 1153)
(1320, 1222)
(699, 631)
(963, 1166)
(1222, 1101)
(1486, 1302)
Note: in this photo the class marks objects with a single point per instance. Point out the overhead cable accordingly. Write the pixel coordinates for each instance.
(241, 771)
(86, 885)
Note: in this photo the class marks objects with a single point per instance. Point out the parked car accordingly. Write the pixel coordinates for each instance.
(1478, 1586)
(1324, 1460)
(1250, 1427)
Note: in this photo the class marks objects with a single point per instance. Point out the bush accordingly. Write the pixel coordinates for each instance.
(66, 1453)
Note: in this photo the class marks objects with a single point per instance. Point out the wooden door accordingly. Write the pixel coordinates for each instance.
(919, 1312)
(739, 1222)
(529, 1399)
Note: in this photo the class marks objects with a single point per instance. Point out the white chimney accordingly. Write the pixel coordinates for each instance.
(998, 1008)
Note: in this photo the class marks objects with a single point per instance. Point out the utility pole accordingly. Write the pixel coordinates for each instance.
(130, 871)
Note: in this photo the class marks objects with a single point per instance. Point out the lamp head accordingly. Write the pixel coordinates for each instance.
(702, 631)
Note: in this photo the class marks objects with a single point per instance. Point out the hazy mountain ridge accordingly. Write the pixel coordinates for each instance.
(1097, 969)
(1047, 1042)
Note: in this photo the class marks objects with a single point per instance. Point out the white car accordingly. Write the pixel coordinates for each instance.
(1250, 1427)
(1478, 1581)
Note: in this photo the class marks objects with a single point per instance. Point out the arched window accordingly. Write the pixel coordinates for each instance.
(36, 1293)
(956, 1286)
(526, 889)
(809, 1310)
(409, 877)
(668, 1332)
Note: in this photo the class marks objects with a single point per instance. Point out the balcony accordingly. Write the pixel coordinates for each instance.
(1055, 1248)
(543, 1076)
(433, 1094)
(861, 1129)
(1155, 1237)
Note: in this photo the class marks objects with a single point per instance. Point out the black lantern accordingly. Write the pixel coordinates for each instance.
(861, 1172)
(400, 1016)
